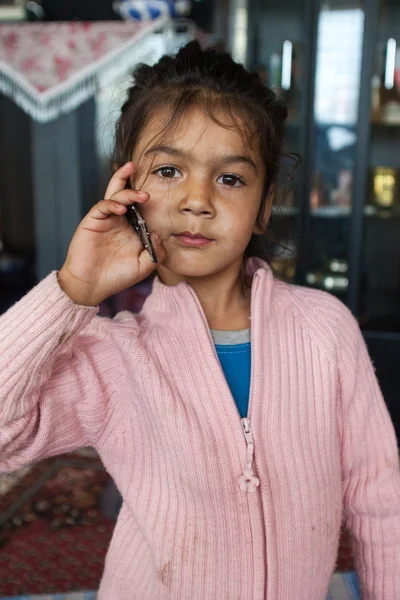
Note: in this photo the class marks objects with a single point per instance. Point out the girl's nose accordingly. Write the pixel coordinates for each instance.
(197, 200)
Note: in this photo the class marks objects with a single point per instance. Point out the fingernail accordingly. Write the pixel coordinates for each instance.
(156, 237)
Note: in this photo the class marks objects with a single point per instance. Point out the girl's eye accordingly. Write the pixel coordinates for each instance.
(231, 180)
(167, 172)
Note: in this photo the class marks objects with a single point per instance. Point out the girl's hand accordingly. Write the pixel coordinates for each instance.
(106, 255)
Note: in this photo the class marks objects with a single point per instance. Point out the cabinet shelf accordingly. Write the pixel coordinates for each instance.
(331, 211)
(334, 212)
(381, 123)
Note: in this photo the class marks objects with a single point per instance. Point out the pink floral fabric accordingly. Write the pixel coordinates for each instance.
(46, 54)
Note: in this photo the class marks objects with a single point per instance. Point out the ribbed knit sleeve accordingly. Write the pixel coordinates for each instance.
(51, 394)
(370, 467)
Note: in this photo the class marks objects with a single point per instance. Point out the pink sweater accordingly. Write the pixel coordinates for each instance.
(147, 391)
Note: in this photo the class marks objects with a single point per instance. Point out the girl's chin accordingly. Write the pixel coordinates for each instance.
(194, 264)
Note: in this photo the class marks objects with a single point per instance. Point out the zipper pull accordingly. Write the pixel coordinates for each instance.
(248, 482)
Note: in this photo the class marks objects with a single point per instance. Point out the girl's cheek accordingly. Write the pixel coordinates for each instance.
(153, 210)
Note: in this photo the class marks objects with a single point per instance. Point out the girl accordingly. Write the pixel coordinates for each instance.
(233, 479)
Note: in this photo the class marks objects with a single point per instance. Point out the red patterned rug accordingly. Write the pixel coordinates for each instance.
(54, 528)
(53, 532)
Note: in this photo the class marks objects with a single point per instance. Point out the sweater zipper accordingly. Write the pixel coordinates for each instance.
(248, 482)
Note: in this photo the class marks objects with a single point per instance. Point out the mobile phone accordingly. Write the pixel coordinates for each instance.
(135, 219)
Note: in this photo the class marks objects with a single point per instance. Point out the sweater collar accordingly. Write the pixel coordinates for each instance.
(178, 306)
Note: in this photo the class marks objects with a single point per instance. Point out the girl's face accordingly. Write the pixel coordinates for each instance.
(203, 179)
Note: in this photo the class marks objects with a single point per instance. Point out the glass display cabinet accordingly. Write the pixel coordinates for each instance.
(337, 64)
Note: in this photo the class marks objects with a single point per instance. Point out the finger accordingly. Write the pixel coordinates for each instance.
(146, 264)
(118, 181)
(105, 208)
(127, 197)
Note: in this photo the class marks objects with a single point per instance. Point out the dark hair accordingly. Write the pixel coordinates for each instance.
(211, 80)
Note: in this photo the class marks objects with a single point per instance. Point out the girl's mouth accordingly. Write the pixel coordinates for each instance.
(197, 240)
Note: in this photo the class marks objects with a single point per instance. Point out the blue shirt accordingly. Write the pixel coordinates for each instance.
(236, 363)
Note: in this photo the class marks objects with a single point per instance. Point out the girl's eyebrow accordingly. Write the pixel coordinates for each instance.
(229, 159)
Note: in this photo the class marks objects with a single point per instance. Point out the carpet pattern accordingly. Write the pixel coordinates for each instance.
(53, 532)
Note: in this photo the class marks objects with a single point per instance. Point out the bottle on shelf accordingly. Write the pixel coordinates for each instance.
(384, 191)
(389, 97)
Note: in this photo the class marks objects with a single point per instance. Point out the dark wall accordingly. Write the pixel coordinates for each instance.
(203, 14)
(67, 10)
